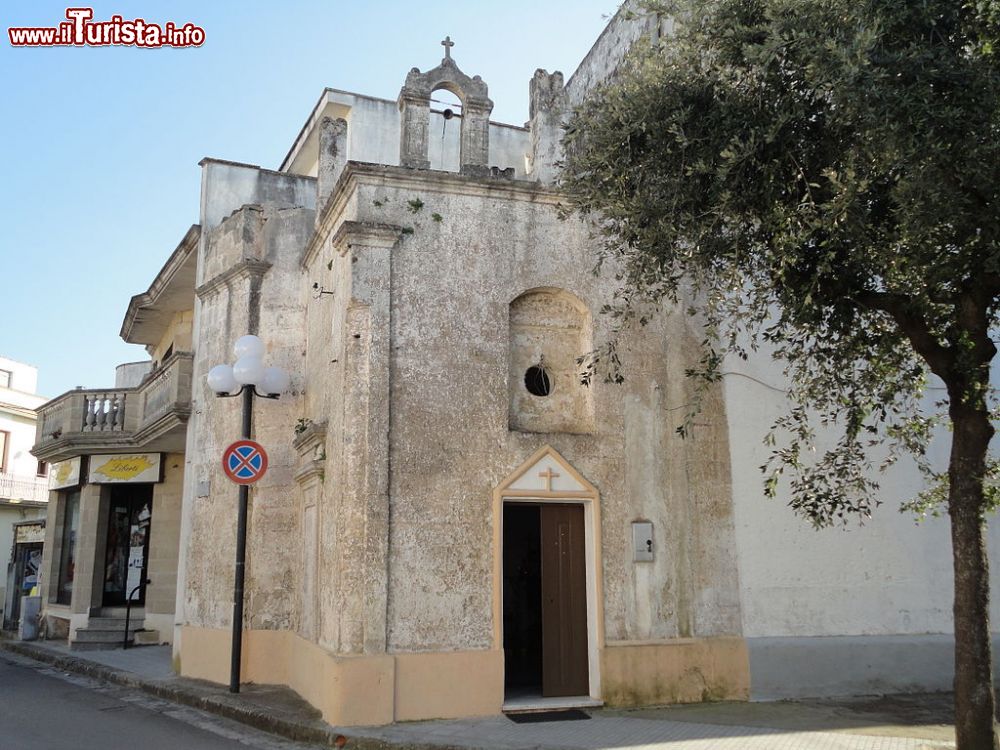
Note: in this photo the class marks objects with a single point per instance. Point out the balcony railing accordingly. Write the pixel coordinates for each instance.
(20, 488)
(128, 417)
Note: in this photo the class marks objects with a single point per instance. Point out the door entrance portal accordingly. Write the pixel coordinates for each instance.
(127, 553)
(544, 600)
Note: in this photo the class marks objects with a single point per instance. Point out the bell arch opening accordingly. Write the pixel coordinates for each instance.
(445, 122)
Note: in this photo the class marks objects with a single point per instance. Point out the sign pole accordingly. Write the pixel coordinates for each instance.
(241, 553)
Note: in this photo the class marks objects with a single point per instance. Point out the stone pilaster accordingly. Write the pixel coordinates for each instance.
(414, 120)
(55, 514)
(363, 518)
(332, 159)
(475, 153)
(91, 537)
(547, 109)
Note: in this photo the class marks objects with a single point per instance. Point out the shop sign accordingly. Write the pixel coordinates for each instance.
(126, 468)
(65, 474)
(33, 533)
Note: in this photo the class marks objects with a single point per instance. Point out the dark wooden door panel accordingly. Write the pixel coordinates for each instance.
(564, 601)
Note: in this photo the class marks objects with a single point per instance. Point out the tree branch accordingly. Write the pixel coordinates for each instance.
(987, 286)
(899, 306)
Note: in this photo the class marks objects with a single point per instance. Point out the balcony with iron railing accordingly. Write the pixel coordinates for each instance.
(150, 417)
(16, 488)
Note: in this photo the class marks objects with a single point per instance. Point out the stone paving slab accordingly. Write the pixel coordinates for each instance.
(154, 662)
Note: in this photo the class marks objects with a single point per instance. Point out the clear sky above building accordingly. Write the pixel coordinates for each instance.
(101, 145)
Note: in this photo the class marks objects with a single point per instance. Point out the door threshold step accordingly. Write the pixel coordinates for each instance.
(531, 705)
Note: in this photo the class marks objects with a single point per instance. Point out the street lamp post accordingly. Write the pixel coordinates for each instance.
(247, 377)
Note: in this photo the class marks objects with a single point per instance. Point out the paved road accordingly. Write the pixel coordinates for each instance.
(609, 732)
(44, 709)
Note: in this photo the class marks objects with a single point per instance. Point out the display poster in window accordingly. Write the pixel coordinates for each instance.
(138, 534)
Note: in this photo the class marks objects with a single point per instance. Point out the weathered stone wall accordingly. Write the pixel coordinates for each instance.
(464, 255)
(255, 224)
(323, 405)
(629, 24)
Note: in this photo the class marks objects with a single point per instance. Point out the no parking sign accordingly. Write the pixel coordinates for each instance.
(245, 461)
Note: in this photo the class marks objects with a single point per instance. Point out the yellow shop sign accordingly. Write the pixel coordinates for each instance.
(65, 474)
(125, 468)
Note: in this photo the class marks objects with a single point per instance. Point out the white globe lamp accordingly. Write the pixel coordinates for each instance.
(248, 346)
(274, 382)
(221, 379)
(249, 369)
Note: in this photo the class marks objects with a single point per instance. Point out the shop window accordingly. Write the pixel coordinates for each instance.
(67, 557)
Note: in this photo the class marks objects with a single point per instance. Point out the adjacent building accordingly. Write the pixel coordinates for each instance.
(23, 478)
(117, 472)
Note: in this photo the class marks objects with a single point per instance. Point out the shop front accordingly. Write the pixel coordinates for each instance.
(108, 554)
(23, 568)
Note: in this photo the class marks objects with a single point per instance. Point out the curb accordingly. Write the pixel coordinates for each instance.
(229, 708)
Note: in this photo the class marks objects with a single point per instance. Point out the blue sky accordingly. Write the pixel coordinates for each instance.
(101, 145)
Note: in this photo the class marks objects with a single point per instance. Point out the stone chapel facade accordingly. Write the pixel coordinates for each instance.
(446, 527)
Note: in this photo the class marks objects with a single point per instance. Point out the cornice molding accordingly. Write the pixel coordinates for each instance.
(357, 173)
(365, 234)
(246, 268)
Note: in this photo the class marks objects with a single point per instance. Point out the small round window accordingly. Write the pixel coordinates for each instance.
(537, 381)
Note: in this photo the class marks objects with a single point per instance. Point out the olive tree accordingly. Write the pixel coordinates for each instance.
(823, 176)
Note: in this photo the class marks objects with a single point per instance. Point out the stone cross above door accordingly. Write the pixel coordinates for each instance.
(548, 475)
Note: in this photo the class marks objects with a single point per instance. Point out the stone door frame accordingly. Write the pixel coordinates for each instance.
(584, 494)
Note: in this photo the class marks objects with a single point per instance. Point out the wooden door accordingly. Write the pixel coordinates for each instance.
(564, 602)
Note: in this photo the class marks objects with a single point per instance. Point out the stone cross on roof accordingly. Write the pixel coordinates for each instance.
(447, 44)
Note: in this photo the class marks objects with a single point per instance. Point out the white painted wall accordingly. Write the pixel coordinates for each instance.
(373, 136)
(17, 405)
(228, 186)
(890, 576)
(13, 419)
(130, 374)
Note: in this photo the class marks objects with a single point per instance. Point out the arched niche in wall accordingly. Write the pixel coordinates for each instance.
(549, 329)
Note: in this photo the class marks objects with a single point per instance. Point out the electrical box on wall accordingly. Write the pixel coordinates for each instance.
(642, 541)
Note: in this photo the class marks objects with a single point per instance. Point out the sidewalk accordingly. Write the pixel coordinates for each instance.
(888, 723)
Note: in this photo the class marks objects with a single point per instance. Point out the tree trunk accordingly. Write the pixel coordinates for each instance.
(975, 726)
